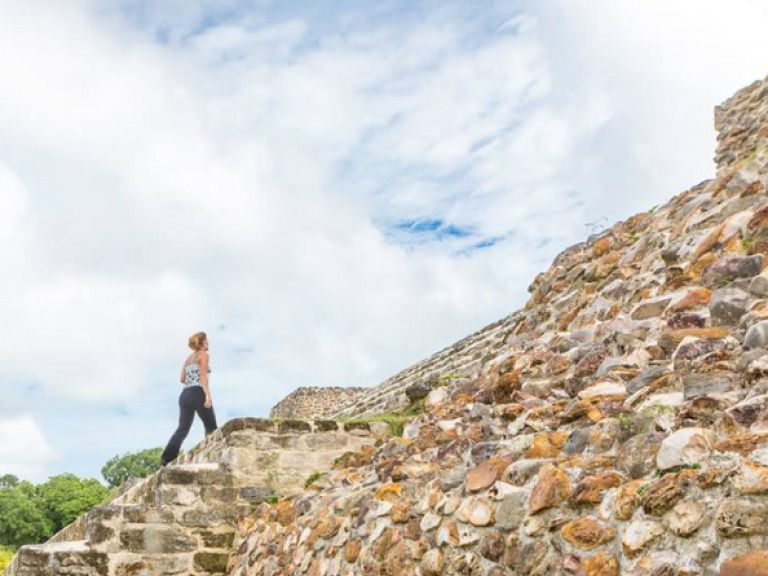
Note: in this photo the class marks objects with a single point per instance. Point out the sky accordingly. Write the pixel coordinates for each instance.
(331, 190)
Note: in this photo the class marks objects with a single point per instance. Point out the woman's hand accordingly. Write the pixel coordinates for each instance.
(208, 401)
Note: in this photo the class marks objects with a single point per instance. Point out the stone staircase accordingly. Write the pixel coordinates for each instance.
(182, 519)
(458, 362)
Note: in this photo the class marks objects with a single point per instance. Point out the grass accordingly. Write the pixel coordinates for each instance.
(314, 477)
(625, 421)
(395, 419)
(272, 499)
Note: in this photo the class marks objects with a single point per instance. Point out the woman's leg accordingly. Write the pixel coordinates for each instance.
(186, 416)
(207, 415)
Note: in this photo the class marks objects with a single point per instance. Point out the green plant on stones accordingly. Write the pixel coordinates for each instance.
(272, 499)
(676, 469)
(396, 419)
(625, 421)
(660, 408)
(314, 477)
(747, 243)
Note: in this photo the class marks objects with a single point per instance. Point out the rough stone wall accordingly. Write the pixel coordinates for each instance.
(182, 519)
(453, 364)
(742, 125)
(621, 428)
(314, 402)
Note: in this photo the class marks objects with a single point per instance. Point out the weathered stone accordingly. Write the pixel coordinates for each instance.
(708, 384)
(757, 335)
(157, 539)
(214, 562)
(600, 565)
(591, 361)
(587, 533)
(686, 320)
(417, 391)
(684, 447)
(432, 563)
(646, 377)
(727, 306)
(352, 550)
(627, 499)
(476, 511)
(546, 445)
(759, 286)
(638, 534)
(492, 546)
(753, 563)
(577, 441)
(751, 479)
(650, 309)
(730, 268)
(695, 298)
(591, 489)
(685, 518)
(484, 475)
(552, 488)
(511, 512)
(738, 517)
(666, 492)
(637, 457)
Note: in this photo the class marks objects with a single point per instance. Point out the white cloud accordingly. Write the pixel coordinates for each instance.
(24, 450)
(179, 166)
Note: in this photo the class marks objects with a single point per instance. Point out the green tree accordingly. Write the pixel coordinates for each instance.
(141, 464)
(23, 521)
(64, 497)
(8, 481)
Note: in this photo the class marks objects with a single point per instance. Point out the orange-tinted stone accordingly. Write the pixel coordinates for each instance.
(352, 550)
(601, 565)
(284, 512)
(389, 492)
(486, 474)
(591, 489)
(754, 563)
(587, 533)
(552, 488)
(627, 498)
(547, 444)
(401, 512)
(600, 247)
(695, 298)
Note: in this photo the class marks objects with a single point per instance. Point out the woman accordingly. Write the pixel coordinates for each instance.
(195, 397)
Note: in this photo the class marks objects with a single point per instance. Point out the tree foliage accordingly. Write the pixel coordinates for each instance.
(8, 481)
(64, 497)
(141, 464)
(23, 521)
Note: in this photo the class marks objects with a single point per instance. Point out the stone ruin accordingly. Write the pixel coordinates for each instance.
(182, 520)
(616, 425)
(314, 401)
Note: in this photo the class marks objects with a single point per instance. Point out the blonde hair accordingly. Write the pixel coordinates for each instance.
(196, 341)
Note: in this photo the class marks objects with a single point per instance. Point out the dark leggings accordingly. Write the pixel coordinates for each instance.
(191, 400)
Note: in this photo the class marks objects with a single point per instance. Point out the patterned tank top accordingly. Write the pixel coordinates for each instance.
(192, 374)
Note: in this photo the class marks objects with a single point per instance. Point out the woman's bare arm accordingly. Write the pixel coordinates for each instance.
(204, 378)
(183, 376)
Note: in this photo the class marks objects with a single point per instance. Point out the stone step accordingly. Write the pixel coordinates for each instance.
(75, 558)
